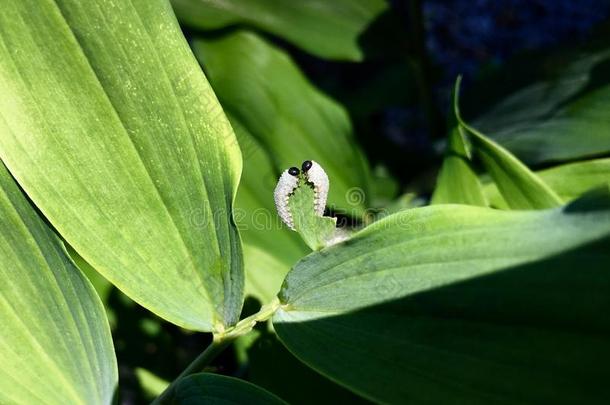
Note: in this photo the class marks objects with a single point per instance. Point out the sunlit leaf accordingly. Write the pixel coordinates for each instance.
(460, 304)
(569, 181)
(151, 384)
(264, 89)
(55, 344)
(214, 389)
(109, 125)
(457, 182)
(328, 29)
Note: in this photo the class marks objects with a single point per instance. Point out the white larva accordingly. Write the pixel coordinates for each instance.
(317, 176)
(289, 180)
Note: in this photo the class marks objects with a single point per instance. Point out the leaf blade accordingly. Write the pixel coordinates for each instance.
(325, 29)
(569, 181)
(219, 389)
(457, 182)
(558, 117)
(521, 188)
(122, 145)
(56, 345)
(431, 300)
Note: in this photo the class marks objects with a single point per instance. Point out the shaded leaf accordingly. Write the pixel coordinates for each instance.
(293, 120)
(561, 117)
(279, 375)
(327, 29)
(111, 128)
(384, 187)
(520, 187)
(55, 345)
(219, 389)
(460, 304)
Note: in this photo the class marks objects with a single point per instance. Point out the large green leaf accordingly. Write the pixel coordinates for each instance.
(270, 248)
(213, 389)
(460, 304)
(569, 181)
(328, 29)
(562, 117)
(457, 182)
(111, 128)
(55, 344)
(265, 90)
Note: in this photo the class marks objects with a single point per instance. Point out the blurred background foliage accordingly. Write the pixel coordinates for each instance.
(364, 88)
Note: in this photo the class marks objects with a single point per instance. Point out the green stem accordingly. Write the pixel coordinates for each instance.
(209, 354)
(221, 341)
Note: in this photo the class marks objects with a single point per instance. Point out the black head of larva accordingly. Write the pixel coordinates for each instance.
(306, 166)
(293, 171)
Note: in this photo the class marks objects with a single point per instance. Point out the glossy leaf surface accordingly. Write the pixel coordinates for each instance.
(109, 125)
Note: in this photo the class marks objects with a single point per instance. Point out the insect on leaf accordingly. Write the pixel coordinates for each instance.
(456, 303)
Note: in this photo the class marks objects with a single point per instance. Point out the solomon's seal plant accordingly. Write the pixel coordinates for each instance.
(489, 284)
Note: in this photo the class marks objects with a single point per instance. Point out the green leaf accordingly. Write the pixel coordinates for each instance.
(111, 128)
(280, 374)
(103, 288)
(457, 182)
(569, 181)
(265, 271)
(460, 304)
(520, 187)
(316, 231)
(151, 384)
(216, 389)
(384, 187)
(327, 29)
(270, 248)
(293, 120)
(55, 345)
(562, 116)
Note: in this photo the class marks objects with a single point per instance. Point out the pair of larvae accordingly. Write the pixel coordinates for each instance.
(289, 181)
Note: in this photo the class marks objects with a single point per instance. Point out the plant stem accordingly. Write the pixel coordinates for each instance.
(209, 354)
(219, 343)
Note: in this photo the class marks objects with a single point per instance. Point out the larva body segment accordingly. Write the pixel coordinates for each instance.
(317, 176)
(285, 186)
